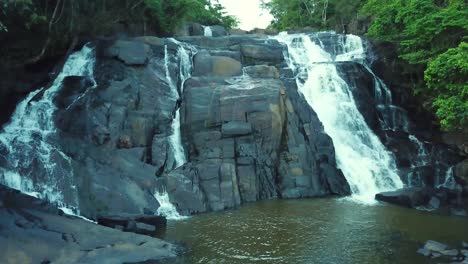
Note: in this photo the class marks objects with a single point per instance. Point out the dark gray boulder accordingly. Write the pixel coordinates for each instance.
(160, 152)
(215, 66)
(425, 252)
(450, 252)
(140, 224)
(270, 53)
(236, 128)
(218, 31)
(35, 232)
(409, 197)
(435, 246)
(3, 155)
(72, 88)
(461, 170)
(262, 71)
(130, 52)
(196, 29)
(151, 41)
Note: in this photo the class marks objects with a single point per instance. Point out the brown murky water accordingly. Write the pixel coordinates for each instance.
(313, 231)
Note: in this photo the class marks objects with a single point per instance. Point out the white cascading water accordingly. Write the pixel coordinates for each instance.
(392, 117)
(35, 166)
(166, 208)
(422, 158)
(175, 140)
(185, 66)
(449, 181)
(207, 32)
(368, 167)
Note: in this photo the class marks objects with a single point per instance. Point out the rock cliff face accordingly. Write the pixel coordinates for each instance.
(250, 139)
(110, 132)
(247, 136)
(247, 132)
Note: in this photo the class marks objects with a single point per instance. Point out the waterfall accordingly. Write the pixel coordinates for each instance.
(391, 117)
(175, 140)
(185, 71)
(422, 158)
(166, 208)
(207, 32)
(34, 165)
(184, 51)
(449, 181)
(368, 167)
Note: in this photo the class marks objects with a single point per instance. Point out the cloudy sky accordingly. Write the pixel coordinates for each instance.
(249, 13)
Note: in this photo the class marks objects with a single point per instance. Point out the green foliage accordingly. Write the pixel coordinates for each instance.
(318, 14)
(422, 28)
(168, 15)
(447, 78)
(30, 29)
(427, 34)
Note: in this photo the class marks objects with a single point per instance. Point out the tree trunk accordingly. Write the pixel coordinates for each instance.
(48, 40)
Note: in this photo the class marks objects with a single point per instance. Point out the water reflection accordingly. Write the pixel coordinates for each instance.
(313, 231)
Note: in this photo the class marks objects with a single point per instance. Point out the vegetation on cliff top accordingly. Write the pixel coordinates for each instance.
(430, 34)
(33, 29)
(317, 14)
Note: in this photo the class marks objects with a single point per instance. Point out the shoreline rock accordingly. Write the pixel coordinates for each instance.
(434, 249)
(35, 232)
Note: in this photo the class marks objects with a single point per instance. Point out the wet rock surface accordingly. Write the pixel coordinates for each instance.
(118, 132)
(410, 197)
(251, 137)
(443, 253)
(151, 225)
(248, 133)
(440, 200)
(34, 232)
(246, 137)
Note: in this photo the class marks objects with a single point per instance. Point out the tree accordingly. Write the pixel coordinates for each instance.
(430, 35)
(423, 29)
(31, 30)
(319, 14)
(447, 79)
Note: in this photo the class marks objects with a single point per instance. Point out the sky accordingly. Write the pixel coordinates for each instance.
(249, 12)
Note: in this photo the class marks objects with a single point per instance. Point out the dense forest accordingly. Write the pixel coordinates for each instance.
(431, 35)
(55, 25)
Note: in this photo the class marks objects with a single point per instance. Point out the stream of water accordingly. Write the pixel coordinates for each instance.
(367, 165)
(184, 57)
(207, 32)
(36, 166)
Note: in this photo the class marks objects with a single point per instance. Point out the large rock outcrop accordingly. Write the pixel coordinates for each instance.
(110, 131)
(251, 137)
(34, 232)
(247, 132)
(247, 136)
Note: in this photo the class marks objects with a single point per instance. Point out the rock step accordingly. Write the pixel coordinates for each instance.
(140, 224)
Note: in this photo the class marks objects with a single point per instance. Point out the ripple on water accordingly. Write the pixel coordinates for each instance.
(313, 231)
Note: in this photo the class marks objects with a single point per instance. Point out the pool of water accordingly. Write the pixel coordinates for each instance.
(313, 231)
